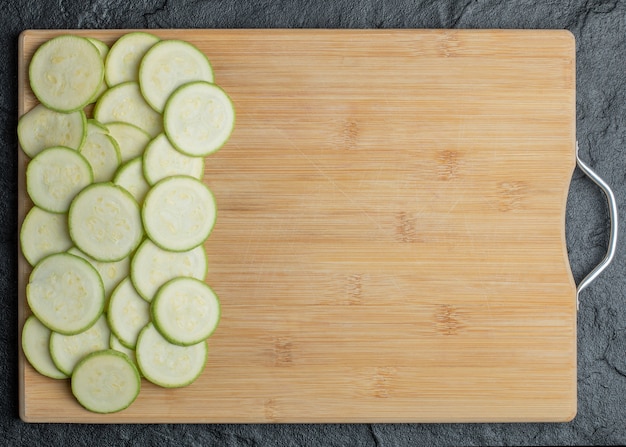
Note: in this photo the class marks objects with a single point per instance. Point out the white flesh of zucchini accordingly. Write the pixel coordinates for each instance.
(101, 151)
(185, 311)
(66, 72)
(151, 267)
(179, 213)
(125, 103)
(111, 273)
(122, 62)
(106, 381)
(105, 222)
(36, 347)
(131, 139)
(168, 65)
(41, 128)
(116, 344)
(65, 293)
(166, 364)
(198, 118)
(55, 176)
(130, 177)
(128, 313)
(42, 234)
(161, 160)
(68, 350)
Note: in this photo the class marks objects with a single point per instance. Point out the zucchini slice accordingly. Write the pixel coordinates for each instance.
(42, 234)
(101, 151)
(166, 364)
(36, 347)
(179, 213)
(65, 73)
(41, 128)
(55, 176)
(105, 222)
(131, 139)
(125, 103)
(185, 311)
(122, 62)
(198, 118)
(65, 293)
(128, 313)
(161, 160)
(130, 177)
(106, 381)
(151, 267)
(168, 65)
(68, 350)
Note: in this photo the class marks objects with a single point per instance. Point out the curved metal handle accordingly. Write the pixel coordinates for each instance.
(613, 219)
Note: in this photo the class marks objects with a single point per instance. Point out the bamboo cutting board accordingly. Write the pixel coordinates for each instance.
(390, 240)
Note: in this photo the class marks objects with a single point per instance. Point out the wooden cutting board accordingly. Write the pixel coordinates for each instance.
(390, 241)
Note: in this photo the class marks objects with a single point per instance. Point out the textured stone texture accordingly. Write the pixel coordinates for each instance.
(600, 30)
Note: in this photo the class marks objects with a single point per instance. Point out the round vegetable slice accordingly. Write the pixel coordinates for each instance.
(55, 176)
(42, 234)
(131, 139)
(161, 160)
(111, 273)
(103, 49)
(68, 350)
(65, 293)
(122, 62)
(65, 73)
(36, 347)
(198, 118)
(115, 343)
(166, 364)
(125, 103)
(130, 177)
(101, 151)
(151, 267)
(106, 381)
(168, 65)
(41, 128)
(179, 213)
(128, 313)
(185, 311)
(105, 222)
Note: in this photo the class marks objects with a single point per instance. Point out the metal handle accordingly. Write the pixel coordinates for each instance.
(613, 233)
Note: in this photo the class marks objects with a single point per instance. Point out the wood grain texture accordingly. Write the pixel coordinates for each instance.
(390, 240)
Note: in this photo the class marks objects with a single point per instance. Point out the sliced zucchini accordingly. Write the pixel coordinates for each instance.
(42, 128)
(115, 343)
(185, 311)
(105, 222)
(168, 65)
(130, 177)
(55, 176)
(166, 364)
(131, 139)
(179, 213)
(42, 234)
(103, 49)
(198, 118)
(65, 293)
(124, 103)
(101, 151)
(68, 350)
(161, 160)
(151, 267)
(36, 347)
(111, 273)
(122, 62)
(106, 381)
(65, 73)
(128, 313)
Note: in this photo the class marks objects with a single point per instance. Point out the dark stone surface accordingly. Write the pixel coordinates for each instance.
(600, 30)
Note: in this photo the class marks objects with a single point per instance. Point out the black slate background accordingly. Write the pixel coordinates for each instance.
(599, 27)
